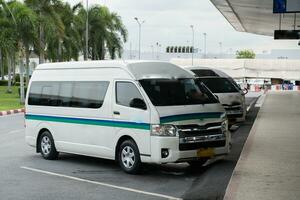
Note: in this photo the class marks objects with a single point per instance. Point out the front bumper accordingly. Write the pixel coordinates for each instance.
(235, 113)
(177, 155)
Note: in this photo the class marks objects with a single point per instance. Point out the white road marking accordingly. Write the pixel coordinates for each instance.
(260, 101)
(250, 106)
(100, 183)
(16, 131)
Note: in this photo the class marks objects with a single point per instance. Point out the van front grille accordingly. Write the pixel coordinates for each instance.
(194, 136)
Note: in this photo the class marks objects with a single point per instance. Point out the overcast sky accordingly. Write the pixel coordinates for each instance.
(168, 22)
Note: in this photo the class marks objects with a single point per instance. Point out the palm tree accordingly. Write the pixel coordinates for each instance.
(21, 34)
(26, 21)
(106, 31)
(79, 22)
(49, 23)
(56, 31)
(8, 39)
(117, 34)
(68, 46)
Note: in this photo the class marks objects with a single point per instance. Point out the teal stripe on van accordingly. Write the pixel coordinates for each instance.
(174, 118)
(95, 122)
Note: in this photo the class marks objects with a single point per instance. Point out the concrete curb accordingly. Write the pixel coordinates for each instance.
(233, 184)
(9, 112)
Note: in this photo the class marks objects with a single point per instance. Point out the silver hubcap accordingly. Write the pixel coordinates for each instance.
(46, 145)
(128, 157)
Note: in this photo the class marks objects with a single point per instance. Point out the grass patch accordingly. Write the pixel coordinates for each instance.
(9, 101)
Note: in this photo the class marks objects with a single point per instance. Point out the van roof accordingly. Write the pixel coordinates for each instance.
(216, 71)
(137, 69)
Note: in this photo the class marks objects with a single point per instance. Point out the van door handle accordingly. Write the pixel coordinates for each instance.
(116, 113)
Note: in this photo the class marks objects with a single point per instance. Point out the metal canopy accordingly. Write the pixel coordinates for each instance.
(255, 16)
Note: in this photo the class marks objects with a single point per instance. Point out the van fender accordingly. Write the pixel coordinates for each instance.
(44, 125)
(137, 135)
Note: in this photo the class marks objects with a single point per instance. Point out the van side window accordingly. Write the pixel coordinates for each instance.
(65, 94)
(35, 94)
(49, 96)
(126, 92)
(89, 94)
(44, 94)
(68, 94)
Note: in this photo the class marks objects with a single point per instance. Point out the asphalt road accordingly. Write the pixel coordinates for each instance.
(25, 175)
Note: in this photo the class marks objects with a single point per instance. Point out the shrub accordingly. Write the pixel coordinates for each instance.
(3, 82)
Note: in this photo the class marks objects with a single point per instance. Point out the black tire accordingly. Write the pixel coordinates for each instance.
(47, 146)
(131, 164)
(198, 163)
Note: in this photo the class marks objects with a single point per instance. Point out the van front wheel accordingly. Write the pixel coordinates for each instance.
(47, 146)
(129, 157)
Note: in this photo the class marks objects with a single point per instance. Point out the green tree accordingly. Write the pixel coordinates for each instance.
(68, 46)
(8, 38)
(106, 32)
(245, 54)
(26, 23)
(117, 35)
(49, 24)
(55, 31)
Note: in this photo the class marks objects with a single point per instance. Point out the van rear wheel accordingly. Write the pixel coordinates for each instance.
(129, 157)
(47, 146)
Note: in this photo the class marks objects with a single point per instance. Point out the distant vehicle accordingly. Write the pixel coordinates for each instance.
(209, 72)
(231, 96)
(133, 112)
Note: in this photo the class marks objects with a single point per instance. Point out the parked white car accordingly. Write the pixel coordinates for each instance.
(231, 96)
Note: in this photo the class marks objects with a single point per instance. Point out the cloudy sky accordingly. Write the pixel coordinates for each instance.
(168, 22)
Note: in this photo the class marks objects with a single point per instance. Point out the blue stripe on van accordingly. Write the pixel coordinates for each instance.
(96, 122)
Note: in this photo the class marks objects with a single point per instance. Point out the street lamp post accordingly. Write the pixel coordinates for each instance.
(157, 50)
(140, 32)
(204, 34)
(130, 51)
(193, 37)
(152, 50)
(221, 50)
(87, 31)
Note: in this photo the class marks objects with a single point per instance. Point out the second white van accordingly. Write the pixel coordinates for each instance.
(231, 96)
(132, 112)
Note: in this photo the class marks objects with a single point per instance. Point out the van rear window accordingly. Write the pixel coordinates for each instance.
(89, 94)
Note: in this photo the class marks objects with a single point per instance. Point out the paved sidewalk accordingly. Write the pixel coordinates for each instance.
(269, 166)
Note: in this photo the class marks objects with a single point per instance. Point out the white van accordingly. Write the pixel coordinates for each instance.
(133, 112)
(231, 96)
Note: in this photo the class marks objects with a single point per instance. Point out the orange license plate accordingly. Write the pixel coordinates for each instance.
(205, 152)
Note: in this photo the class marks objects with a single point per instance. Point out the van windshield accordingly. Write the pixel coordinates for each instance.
(173, 92)
(219, 85)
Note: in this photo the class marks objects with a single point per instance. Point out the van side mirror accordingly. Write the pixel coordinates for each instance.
(138, 103)
(244, 91)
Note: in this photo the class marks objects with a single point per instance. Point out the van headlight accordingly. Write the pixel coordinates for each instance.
(163, 130)
(224, 125)
(223, 115)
